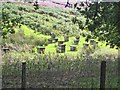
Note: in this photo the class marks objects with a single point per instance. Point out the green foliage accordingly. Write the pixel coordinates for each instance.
(21, 38)
(69, 69)
(40, 41)
(55, 71)
(102, 21)
(36, 5)
(8, 23)
(44, 19)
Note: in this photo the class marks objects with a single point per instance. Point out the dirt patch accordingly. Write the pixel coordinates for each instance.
(53, 4)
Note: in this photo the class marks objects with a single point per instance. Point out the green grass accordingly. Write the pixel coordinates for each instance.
(33, 17)
(51, 48)
(58, 18)
(77, 73)
(60, 64)
(28, 32)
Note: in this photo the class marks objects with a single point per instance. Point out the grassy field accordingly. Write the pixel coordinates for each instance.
(51, 48)
(56, 71)
(72, 69)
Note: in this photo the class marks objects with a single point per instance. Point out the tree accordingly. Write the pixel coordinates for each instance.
(8, 23)
(103, 20)
(36, 5)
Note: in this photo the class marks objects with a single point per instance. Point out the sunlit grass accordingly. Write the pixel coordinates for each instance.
(51, 48)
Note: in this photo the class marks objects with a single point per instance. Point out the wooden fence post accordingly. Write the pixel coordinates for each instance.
(23, 82)
(103, 75)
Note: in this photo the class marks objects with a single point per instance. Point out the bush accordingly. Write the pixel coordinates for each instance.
(17, 37)
(40, 41)
(20, 38)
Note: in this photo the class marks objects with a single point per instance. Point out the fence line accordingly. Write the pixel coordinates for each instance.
(102, 76)
(23, 81)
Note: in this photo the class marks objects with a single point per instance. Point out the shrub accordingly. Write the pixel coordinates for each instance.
(17, 37)
(40, 41)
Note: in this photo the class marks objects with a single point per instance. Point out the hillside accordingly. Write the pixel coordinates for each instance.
(40, 24)
(50, 47)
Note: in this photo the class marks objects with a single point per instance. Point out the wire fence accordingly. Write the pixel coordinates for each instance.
(60, 74)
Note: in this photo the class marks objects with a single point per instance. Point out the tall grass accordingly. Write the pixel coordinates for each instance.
(57, 71)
